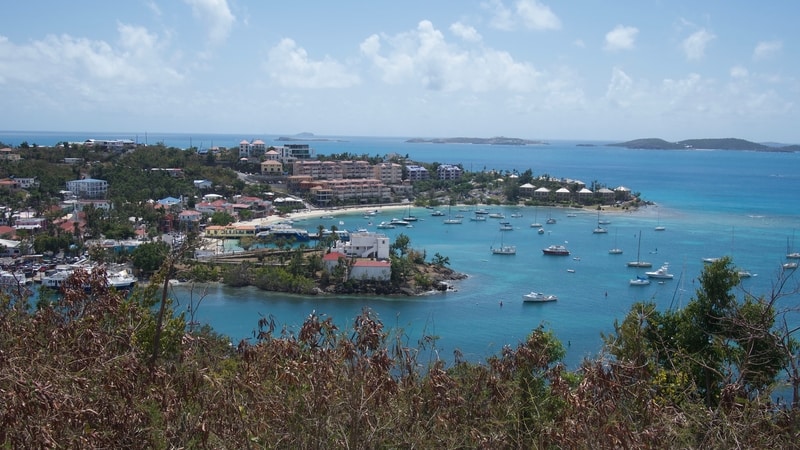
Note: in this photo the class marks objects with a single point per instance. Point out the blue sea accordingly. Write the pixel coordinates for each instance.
(711, 203)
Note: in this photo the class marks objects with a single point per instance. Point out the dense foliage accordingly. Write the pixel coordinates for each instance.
(82, 372)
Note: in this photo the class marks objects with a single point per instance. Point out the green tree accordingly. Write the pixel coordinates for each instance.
(222, 218)
(717, 345)
(150, 256)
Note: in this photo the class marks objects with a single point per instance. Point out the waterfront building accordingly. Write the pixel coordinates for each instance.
(364, 245)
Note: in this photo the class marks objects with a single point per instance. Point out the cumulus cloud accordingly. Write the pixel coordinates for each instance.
(537, 16)
(465, 32)
(767, 49)
(530, 14)
(137, 59)
(216, 15)
(620, 88)
(423, 57)
(291, 66)
(695, 45)
(621, 38)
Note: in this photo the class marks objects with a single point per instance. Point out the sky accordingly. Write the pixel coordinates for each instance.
(583, 69)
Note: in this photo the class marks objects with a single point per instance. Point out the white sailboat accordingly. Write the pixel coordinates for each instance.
(599, 229)
(450, 220)
(536, 223)
(616, 250)
(659, 227)
(639, 262)
(791, 253)
(504, 249)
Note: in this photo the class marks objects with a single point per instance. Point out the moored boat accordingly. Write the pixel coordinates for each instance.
(556, 250)
(661, 273)
(538, 297)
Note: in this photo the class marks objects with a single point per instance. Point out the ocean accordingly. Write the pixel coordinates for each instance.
(711, 203)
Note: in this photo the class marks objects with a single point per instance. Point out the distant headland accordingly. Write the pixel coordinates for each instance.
(471, 140)
(306, 137)
(716, 144)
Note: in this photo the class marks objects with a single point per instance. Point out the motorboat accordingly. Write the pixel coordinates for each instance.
(556, 250)
(386, 226)
(437, 213)
(541, 231)
(661, 273)
(478, 218)
(550, 221)
(710, 260)
(496, 216)
(639, 281)
(538, 297)
(506, 226)
(399, 222)
(121, 280)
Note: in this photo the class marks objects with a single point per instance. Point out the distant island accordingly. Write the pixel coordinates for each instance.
(716, 144)
(306, 137)
(471, 140)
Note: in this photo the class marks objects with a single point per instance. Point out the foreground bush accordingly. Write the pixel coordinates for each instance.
(80, 374)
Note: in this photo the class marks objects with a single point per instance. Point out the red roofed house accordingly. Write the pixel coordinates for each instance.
(366, 269)
(331, 260)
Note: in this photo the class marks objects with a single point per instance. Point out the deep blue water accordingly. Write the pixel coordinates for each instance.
(712, 203)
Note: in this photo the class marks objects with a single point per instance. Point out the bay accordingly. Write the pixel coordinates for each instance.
(711, 202)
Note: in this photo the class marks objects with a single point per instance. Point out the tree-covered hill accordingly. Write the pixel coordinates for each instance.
(715, 144)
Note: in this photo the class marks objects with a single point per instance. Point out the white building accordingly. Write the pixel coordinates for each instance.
(88, 188)
(364, 245)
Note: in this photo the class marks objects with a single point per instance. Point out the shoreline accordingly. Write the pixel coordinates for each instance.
(317, 213)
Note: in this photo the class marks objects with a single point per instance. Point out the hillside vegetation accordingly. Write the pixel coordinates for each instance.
(97, 369)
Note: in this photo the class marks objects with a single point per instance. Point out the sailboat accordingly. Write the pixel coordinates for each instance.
(639, 262)
(410, 217)
(536, 223)
(790, 253)
(616, 250)
(450, 220)
(659, 227)
(599, 229)
(504, 249)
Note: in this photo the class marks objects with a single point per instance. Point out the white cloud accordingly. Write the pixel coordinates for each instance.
(695, 45)
(423, 57)
(621, 38)
(465, 32)
(767, 49)
(530, 14)
(216, 15)
(537, 16)
(620, 88)
(739, 72)
(501, 16)
(290, 66)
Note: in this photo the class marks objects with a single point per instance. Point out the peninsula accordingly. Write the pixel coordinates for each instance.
(716, 144)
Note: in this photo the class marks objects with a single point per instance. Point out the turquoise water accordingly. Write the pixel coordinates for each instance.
(712, 203)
